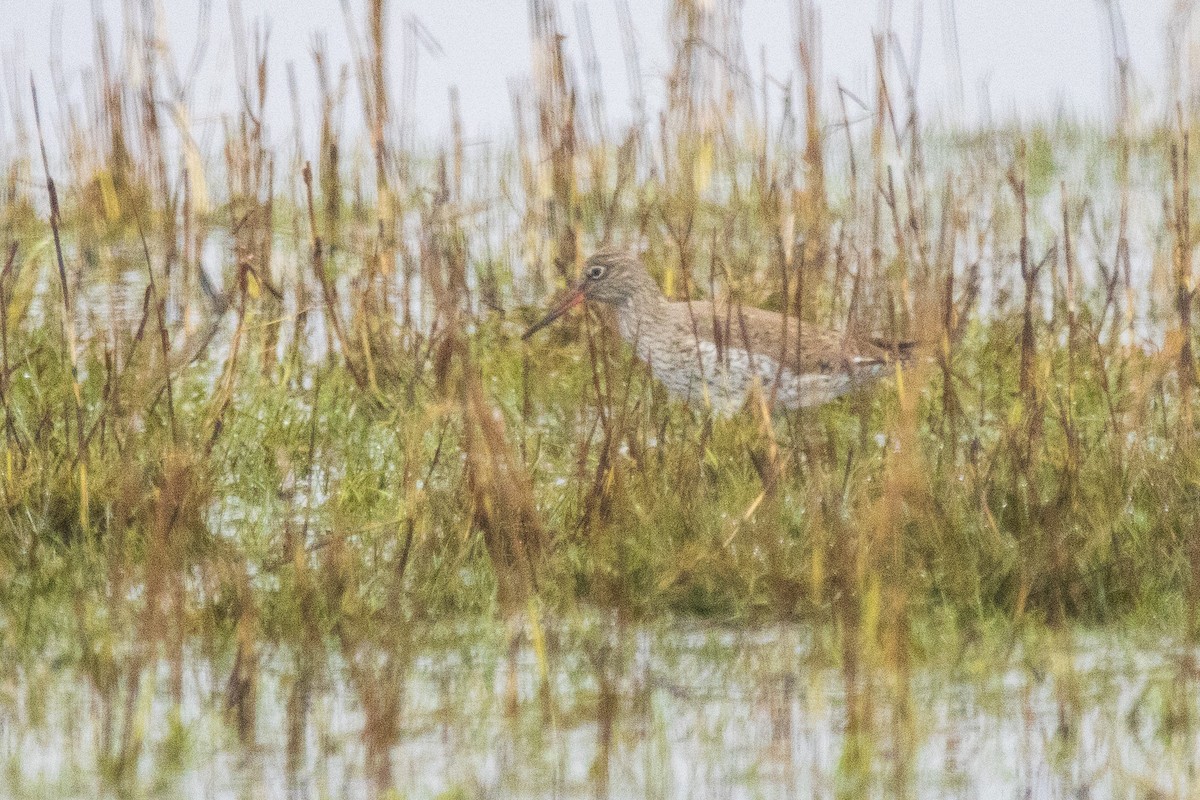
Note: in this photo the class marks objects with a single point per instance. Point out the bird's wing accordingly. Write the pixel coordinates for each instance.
(808, 349)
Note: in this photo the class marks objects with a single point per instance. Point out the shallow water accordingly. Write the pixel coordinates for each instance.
(590, 709)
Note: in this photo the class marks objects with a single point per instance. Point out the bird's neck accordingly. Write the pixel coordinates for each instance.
(641, 311)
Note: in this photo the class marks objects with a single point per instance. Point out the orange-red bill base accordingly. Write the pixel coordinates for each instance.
(573, 298)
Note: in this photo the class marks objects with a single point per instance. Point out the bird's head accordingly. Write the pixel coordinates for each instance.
(610, 276)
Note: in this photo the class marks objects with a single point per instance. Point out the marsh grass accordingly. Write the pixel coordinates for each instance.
(332, 439)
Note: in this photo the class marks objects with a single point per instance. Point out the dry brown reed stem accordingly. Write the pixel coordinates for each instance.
(328, 289)
(498, 488)
(555, 95)
(813, 210)
(953, 321)
(164, 336)
(909, 237)
(613, 385)
(1181, 251)
(70, 337)
(377, 110)
(372, 300)
(250, 167)
(333, 95)
(1067, 404)
(595, 89)
(873, 276)
(633, 74)
(115, 179)
(10, 431)
(501, 495)
(1122, 83)
(1017, 177)
(457, 148)
(382, 262)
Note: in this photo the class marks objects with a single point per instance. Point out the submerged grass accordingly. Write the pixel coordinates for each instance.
(334, 439)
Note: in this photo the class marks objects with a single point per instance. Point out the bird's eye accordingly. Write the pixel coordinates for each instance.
(596, 272)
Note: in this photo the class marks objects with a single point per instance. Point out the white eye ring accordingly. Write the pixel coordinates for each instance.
(596, 272)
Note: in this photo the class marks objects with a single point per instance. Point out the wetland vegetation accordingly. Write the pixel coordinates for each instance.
(289, 509)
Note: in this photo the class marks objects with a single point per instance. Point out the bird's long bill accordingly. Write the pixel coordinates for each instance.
(573, 298)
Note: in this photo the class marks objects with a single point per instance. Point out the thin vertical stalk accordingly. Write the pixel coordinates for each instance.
(69, 332)
(1184, 292)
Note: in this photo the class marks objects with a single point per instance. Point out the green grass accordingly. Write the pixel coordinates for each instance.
(320, 504)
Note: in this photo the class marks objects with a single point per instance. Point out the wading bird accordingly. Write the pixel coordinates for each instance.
(716, 355)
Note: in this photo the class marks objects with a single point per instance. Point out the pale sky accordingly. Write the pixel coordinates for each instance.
(1026, 57)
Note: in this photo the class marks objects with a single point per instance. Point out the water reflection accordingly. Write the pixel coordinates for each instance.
(591, 710)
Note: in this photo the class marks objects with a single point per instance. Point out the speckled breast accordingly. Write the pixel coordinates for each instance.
(722, 378)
